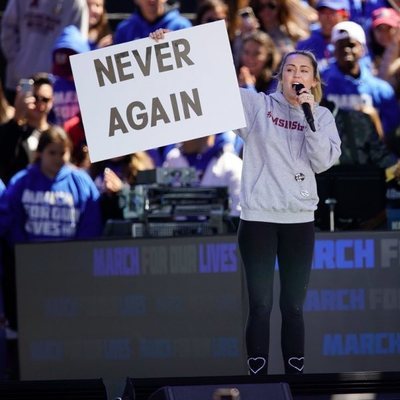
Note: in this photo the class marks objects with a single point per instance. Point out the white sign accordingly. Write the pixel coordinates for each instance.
(146, 94)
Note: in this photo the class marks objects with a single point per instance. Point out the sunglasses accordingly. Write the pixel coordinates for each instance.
(42, 99)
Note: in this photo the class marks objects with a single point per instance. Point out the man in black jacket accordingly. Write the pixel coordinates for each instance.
(19, 136)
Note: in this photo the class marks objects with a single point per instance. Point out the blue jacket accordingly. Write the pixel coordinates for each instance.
(350, 93)
(71, 38)
(136, 27)
(361, 11)
(35, 208)
(66, 104)
(319, 45)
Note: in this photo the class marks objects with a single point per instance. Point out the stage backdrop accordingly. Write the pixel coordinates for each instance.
(177, 307)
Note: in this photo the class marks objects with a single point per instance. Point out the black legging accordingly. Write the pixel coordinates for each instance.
(261, 244)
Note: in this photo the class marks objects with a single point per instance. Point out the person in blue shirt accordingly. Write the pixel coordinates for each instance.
(330, 12)
(65, 103)
(361, 11)
(148, 17)
(350, 83)
(50, 199)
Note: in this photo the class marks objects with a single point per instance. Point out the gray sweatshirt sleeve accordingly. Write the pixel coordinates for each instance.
(323, 146)
(250, 99)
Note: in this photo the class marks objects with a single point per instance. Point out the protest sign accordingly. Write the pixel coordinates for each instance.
(145, 94)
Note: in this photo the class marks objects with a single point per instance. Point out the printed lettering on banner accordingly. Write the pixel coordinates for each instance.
(145, 94)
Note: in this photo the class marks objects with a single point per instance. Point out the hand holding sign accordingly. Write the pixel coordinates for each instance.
(158, 34)
(146, 94)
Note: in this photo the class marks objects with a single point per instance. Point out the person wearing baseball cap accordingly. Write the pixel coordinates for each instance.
(333, 4)
(385, 27)
(385, 45)
(350, 82)
(386, 16)
(330, 12)
(348, 30)
(352, 30)
(361, 11)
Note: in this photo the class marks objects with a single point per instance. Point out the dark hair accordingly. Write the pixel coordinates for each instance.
(206, 6)
(42, 78)
(54, 134)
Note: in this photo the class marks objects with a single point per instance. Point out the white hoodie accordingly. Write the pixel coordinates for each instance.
(279, 147)
(224, 170)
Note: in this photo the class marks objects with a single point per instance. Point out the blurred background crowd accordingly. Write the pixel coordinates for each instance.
(49, 188)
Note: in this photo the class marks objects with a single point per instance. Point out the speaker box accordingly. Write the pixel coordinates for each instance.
(261, 391)
(91, 389)
(365, 385)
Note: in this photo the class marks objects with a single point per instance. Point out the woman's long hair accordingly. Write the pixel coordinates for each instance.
(294, 17)
(273, 59)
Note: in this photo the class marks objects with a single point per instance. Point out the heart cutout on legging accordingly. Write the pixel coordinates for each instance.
(297, 362)
(256, 364)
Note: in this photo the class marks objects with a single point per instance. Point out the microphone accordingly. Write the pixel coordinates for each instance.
(305, 106)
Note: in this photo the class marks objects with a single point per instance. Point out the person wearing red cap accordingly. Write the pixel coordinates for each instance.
(361, 11)
(385, 45)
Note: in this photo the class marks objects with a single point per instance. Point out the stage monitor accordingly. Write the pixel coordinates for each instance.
(82, 389)
(256, 391)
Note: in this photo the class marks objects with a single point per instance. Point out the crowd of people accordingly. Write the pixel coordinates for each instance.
(49, 188)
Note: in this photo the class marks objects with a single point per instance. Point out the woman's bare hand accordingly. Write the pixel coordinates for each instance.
(112, 183)
(158, 34)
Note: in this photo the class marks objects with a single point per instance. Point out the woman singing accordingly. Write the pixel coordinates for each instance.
(281, 156)
(283, 150)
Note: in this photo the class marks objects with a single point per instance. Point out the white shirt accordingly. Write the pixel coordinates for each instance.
(225, 170)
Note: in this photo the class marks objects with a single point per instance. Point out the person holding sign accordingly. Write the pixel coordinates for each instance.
(282, 153)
